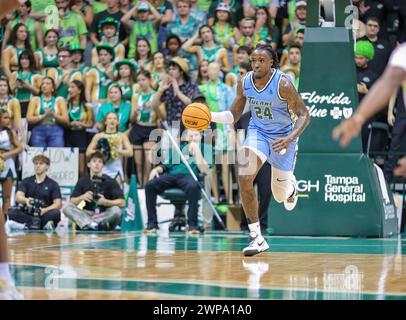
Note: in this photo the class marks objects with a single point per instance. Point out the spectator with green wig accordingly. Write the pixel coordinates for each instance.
(364, 52)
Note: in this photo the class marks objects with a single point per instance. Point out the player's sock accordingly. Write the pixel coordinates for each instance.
(255, 227)
(5, 272)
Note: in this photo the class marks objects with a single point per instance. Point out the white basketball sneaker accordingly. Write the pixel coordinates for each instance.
(9, 292)
(290, 203)
(257, 245)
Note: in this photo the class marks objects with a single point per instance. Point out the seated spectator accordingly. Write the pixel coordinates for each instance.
(10, 147)
(48, 115)
(97, 200)
(114, 145)
(40, 196)
(175, 91)
(176, 175)
(292, 68)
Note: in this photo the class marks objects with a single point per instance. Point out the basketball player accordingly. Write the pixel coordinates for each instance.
(278, 117)
(7, 288)
(375, 100)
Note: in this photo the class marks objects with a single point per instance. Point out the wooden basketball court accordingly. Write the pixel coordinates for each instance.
(211, 266)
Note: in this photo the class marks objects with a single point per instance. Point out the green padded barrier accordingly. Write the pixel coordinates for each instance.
(340, 193)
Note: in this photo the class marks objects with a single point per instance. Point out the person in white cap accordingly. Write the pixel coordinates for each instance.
(298, 23)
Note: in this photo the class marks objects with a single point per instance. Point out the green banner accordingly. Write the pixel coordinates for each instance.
(131, 219)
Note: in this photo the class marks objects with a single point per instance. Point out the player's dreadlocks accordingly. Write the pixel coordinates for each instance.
(268, 48)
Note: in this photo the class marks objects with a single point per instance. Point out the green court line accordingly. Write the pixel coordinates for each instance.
(39, 277)
(233, 243)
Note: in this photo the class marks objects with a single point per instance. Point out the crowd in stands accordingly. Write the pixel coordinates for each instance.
(84, 74)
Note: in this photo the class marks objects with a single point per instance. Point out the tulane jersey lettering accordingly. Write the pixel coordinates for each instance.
(269, 111)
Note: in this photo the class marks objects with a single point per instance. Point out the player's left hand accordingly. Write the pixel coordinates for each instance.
(282, 143)
(401, 169)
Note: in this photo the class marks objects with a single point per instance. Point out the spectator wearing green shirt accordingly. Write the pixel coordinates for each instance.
(117, 105)
(34, 28)
(72, 27)
(144, 26)
(174, 174)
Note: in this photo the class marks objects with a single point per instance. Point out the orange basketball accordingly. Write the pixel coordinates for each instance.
(196, 116)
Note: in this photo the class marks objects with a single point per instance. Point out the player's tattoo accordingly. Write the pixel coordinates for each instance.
(296, 106)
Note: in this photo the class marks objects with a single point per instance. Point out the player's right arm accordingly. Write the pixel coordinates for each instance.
(233, 115)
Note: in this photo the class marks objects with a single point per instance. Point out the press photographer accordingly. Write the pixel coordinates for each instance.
(97, 200)
(39, 198)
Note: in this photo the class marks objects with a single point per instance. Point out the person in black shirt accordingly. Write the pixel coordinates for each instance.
(113, 11)
(97, 200)
(382, 47)
(34, 188)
